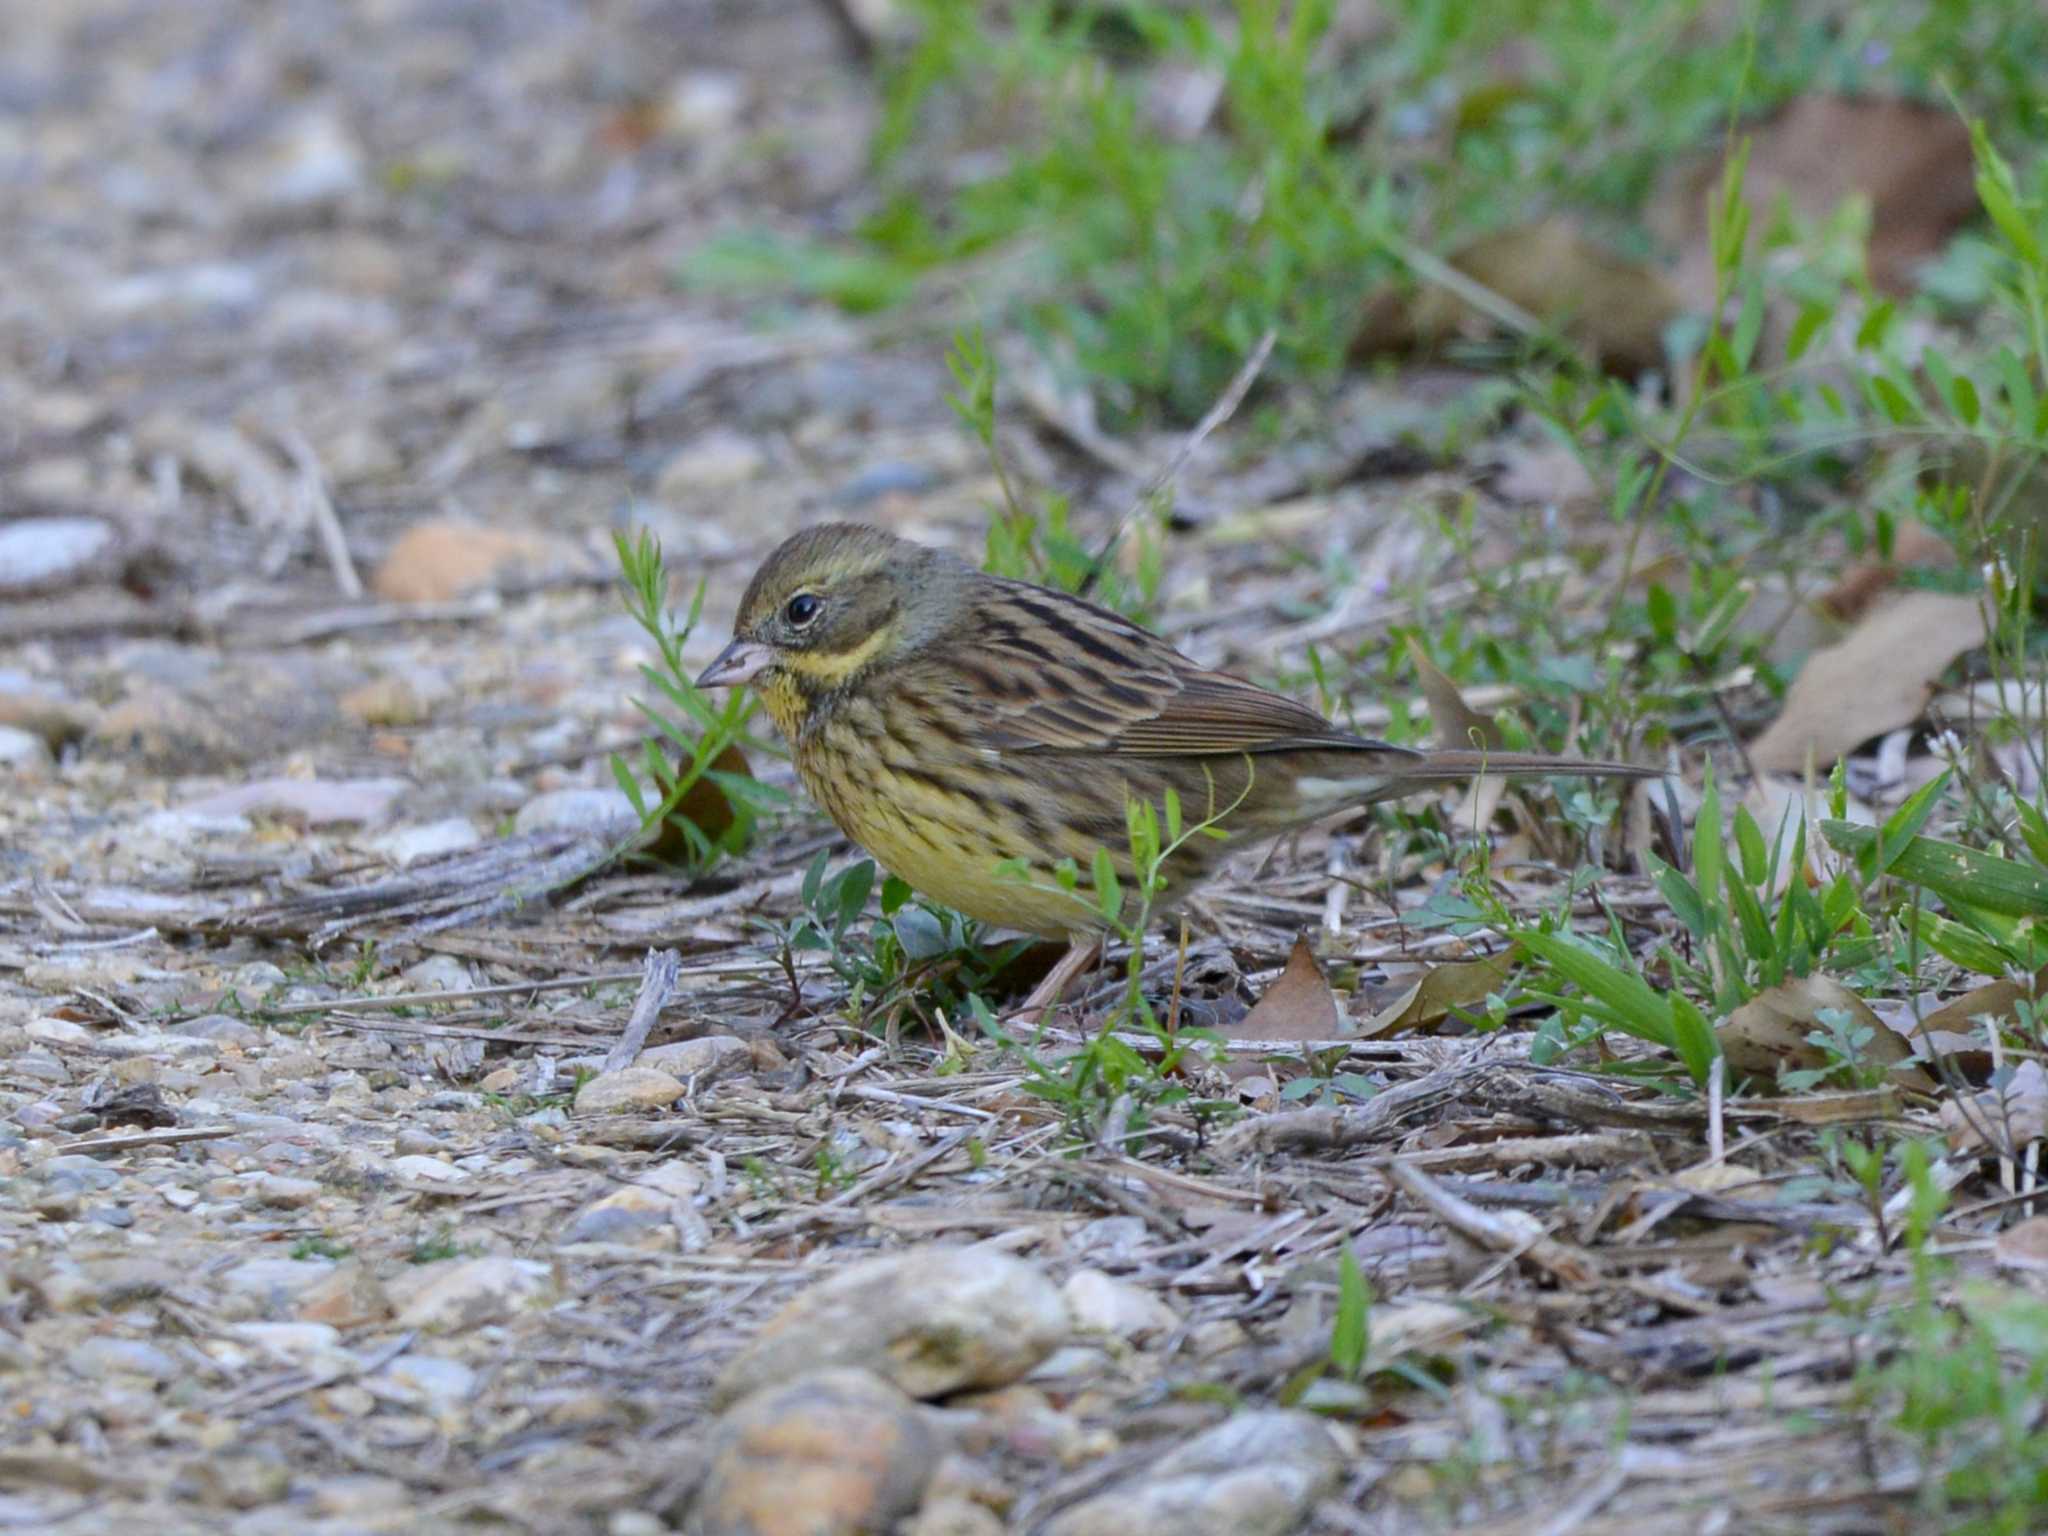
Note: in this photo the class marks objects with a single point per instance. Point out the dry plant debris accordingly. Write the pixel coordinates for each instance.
(383, 1154)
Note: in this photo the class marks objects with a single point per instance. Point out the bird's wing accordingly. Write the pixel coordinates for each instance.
(1046, 672)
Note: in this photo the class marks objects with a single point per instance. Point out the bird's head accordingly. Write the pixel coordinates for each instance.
(830, 603)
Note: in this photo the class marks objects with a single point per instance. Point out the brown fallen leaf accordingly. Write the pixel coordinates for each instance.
(1915, 547)
(704, 805)
(1769, 1031)
(444, 558)
(1839, 1108)
(1440, 990)
(1298, 1006)
(1912, 163)
(2024, 1245)
(1616, 309)
(1953, 1031)
(1875, 679)
(1457, 723)
(2001, 1119)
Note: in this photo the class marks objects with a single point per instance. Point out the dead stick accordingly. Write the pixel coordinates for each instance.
(320, 512)
(1225, 407)
(656, 984)
(1510, 1232)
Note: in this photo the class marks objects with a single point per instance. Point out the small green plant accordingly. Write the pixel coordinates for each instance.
(1962, 1370)
(321, 1247)
(701, 733)
(435, 1247)
(1030, 538)
(920, 958)
(1351, 1330)
(1753, 920)
(1107, 1076)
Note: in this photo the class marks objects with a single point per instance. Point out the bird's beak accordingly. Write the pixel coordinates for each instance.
(740, 662)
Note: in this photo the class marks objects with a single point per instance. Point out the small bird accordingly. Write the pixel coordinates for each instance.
(952, 722)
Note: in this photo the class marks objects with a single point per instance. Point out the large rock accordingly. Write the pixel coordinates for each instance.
(834, 1453)
(1258, 1474)
(630, 1088)
(931, 1320)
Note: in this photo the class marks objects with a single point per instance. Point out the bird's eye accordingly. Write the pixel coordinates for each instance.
(803, 609)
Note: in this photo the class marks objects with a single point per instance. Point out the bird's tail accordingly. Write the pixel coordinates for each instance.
(1467, 763)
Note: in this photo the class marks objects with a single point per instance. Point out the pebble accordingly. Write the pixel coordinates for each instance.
(236, 1481)
(166, 733)
(221, 1029)
(443, 558)
(91, 1285)
(99, 1357)
(1102, 1303)
(885, 479)
(435, 1170)
(1255, 1474)
(440, 1384)
(702, 1058)
(39, 554)
(309, 1346)
(408, 845)
(630, 1215)
(272, 1284)
(51, 717)
(306, 802)
(73, 1170)
(717, 461)
(315, 162)
(358, 1495)
(280, 1192)
(628, 1089)
(706, 103)
(171, 291)
(834, 1453)
(438, 973)
(349, 1297)
(156, 1045)
(65, 1032)
(471, 1292)
(24, 752)
(386, 701)
(43, 1067)
(606, 812)
(933, 1320)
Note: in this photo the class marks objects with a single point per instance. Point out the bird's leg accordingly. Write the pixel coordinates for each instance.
(1083, 950)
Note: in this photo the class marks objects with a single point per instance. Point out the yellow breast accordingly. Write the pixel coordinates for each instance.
(940, 817)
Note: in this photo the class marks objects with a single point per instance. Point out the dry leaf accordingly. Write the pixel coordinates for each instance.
(1716, 1178)
(1415, 1328)
(1839, 1108)
(1913, 163)
(1952, 1031)
(1457, 723)
(2000, 1119)
(1440, 989)
(2024, 1246)
(704, 805)
(1297, 1006)
(1614, 308)
(1875, 679)
(1769, 1031)
(1914, 547)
